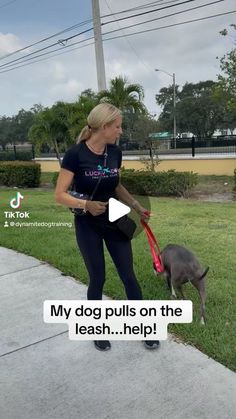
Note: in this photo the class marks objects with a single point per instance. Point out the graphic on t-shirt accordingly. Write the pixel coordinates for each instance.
(88, 168)
(101, 171)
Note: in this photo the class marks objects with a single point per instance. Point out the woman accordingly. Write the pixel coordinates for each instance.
(83, 163)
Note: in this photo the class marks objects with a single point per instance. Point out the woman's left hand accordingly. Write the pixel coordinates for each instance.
(143, 212)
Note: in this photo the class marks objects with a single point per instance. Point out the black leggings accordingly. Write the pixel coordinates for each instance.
(90, 242)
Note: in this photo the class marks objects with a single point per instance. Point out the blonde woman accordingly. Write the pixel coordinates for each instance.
(83, 163)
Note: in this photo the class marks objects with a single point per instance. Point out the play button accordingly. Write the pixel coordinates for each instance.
(116, 209)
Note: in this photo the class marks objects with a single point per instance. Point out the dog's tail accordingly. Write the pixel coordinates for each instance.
(204, 273)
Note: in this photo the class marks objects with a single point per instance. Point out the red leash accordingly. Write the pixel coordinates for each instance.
(155, 250)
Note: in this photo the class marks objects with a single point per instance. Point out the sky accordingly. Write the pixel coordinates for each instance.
(188, 50)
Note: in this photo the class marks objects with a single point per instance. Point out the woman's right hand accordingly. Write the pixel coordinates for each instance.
(96, 207)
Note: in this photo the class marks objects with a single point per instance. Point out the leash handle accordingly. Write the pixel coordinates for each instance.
(156, 256)
(150, 234)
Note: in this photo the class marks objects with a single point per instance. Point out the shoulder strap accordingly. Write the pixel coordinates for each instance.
(100, 177)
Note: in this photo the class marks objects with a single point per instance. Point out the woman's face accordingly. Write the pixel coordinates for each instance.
(113, 131)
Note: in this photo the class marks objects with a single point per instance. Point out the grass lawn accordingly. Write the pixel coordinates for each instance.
(208, 184)
(208, 228)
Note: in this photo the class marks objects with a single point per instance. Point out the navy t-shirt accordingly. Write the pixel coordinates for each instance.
(88, 167)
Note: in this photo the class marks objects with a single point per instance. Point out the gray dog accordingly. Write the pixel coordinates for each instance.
(182, 266)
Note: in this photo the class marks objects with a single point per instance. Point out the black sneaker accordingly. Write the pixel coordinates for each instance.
(102, 345)
(151, 344)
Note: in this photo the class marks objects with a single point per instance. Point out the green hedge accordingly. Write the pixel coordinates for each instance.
(234, 186)
(169, 183)
(141, 182)
(23, 174)
(54, 178)
(10, 156)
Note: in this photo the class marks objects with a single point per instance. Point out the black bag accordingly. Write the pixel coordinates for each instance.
(80, 211)
(127, 226)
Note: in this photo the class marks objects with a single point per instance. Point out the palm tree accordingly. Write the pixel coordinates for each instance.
(78, 112)
(124, 95)
(127, 97)
(50, 127)
(59, 125)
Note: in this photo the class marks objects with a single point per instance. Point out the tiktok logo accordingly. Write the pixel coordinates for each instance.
(15, 202)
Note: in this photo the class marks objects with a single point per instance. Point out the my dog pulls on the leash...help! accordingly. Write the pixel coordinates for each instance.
(117, 319)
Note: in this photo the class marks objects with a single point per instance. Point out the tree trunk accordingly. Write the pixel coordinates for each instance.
(151, 157)
(57, 152)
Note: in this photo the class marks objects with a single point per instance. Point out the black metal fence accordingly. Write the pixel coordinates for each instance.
(185, 146)
(195, 146)
(17, 152)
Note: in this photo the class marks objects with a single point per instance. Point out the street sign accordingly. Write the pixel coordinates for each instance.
(160, 135)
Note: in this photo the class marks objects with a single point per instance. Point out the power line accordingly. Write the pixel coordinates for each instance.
(152, 4)
(7, 4)
(48, 53)
(146, 6)
(75, 27)
(174, 24)
(70, 28)
(164, 17)
(22, 59)
(47, 38)
(135, 33)
(136, 8)
(152, 11)
(43, 49)
(48, 58)
(127, 40)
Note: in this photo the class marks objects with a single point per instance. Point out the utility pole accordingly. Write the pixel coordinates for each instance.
(98, 46)
(174, 109)
(174, 103)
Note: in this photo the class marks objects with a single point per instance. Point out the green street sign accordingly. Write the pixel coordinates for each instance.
(160, 135)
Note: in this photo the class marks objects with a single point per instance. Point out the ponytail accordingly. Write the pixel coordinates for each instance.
(84, 135)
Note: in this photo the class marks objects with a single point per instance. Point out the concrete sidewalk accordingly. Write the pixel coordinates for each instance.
(45, 375)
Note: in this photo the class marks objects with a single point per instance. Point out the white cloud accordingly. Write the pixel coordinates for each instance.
(67, 90)
(8, 43)
(58, 72)
(189, 50)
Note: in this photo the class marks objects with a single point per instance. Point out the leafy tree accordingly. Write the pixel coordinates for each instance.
(59, 125)
(227, 80)
(78, 112)
(15, 129)
(165, 100)
(197, 108)
(226, 89)
(127, 97)
(21, 124)
(5, 131)
(123, 95)
(50, 127)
